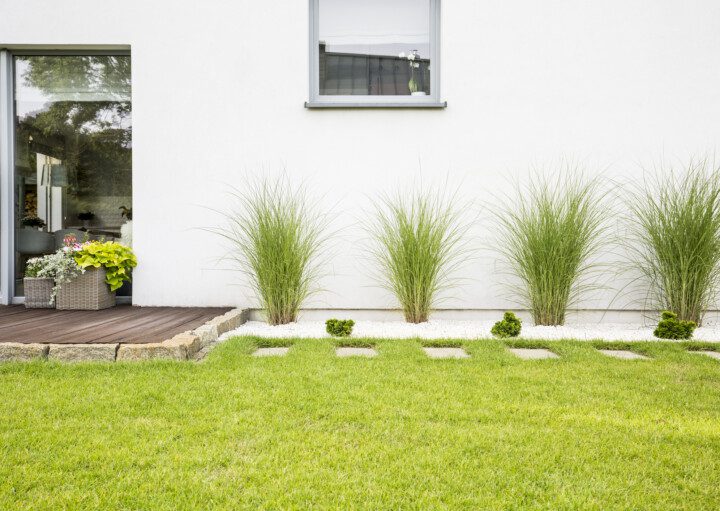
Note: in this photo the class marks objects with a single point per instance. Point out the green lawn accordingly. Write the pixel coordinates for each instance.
(400, 431)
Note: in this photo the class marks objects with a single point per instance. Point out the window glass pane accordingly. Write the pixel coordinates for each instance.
(374, 47)
(73, 149)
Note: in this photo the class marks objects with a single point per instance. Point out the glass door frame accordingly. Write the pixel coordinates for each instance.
(7, 157)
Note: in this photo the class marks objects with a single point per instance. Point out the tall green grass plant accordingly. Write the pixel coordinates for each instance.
(549, 232)
(418, 242)
(276, 237)
(675, 238)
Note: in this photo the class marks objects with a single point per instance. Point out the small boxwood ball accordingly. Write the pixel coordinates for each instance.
(509, 326)
(339, 327)
(670, 327)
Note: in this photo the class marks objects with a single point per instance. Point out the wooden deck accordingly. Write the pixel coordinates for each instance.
(122, 324)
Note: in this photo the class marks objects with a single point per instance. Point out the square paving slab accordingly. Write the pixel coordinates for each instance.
(446, 353)
(624, 354)
(713, 354)
(271, 352)
(356, 352)
(533, 353)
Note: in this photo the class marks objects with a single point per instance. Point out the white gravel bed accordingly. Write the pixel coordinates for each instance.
(465, 330)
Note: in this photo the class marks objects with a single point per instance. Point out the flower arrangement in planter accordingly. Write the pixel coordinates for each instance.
(104, 266)
(79, 275)
(49, 271)
(38, 284)
(412, 58)
(32, 222)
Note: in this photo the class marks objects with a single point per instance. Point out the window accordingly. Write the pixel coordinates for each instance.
(374, 53)
(73, 152)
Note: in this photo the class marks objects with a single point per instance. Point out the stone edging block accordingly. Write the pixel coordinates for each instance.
(228, 321)
(83, 352)
(183, 346)
(19, 352)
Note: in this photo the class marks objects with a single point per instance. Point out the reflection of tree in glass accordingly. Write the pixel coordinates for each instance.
(86, 122)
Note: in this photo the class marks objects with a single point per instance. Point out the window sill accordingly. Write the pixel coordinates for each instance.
(367, 104)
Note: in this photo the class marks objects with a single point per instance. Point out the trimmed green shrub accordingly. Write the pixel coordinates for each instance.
(339, 327)
(675, 239)
(509, 326)
(670, 327)
(549, 233)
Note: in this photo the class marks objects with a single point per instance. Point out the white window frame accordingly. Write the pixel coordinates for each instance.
(359, 101)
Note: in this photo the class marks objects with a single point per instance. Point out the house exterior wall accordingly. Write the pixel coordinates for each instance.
(218, 94)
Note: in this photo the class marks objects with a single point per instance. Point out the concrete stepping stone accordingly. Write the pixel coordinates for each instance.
(712, 354)
(271, 352)
(533, 353)
(446, 352)
(356, 352)
(623, 354)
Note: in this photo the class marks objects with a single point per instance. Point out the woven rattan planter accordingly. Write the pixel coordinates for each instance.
(38, 292)
(86, 292)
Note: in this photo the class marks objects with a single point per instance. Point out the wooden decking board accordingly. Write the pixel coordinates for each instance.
(65, 318)
(124, 324)
(99, 327)
(169, 323)
(154, 327)
(14, 318)
(66, 323)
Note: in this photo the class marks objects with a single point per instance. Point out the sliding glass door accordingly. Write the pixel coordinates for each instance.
(72, 152)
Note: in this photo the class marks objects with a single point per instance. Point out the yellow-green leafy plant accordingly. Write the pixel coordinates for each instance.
(117, 259)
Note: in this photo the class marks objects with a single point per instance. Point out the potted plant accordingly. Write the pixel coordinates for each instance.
(104, 267)
(86, 217)
(38, 283)
(31, 240)
(412, 58)
(126, 228)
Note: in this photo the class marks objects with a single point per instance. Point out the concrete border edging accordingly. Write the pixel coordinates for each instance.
(183, 346)
(19, 352)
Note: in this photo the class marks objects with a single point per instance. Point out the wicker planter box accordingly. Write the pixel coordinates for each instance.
(86, 292)
(38, 292)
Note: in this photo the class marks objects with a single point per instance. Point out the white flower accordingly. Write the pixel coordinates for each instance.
(402, 55)
(416, 65)
(411, 56)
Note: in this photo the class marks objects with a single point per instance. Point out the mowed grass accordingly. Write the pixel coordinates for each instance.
(399, 431)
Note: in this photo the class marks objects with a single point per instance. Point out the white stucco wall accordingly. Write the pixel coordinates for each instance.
(615, 84)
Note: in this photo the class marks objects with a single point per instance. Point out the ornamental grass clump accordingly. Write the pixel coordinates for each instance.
(549, 234)
(675, 239)
(417, 244)
(276, 237)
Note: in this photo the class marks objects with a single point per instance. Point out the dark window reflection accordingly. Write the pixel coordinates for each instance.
(73, 152)
(374, 47)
